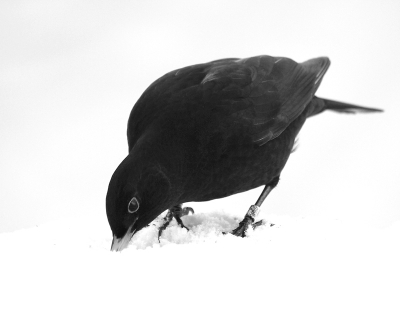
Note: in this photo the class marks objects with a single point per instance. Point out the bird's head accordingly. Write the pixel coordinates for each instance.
(138, 192)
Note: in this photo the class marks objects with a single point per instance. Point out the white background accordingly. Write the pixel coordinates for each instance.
(70, 72)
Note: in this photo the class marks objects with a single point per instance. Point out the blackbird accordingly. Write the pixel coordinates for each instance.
(211, 130)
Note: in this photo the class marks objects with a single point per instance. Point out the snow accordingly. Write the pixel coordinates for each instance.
(299, 266)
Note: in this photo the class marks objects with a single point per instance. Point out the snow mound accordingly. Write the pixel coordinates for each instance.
(299, 266)
(202, 228)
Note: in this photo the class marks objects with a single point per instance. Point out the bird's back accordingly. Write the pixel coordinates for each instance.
(261, 94)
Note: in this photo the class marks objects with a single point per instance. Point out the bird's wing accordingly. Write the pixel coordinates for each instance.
(268, 93)
(264, 94)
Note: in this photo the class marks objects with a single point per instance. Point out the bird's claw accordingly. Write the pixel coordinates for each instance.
(175, 212)
(185, 211)
(241, 230)
(262, 222)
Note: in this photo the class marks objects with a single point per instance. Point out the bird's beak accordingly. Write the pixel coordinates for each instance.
(119, 244)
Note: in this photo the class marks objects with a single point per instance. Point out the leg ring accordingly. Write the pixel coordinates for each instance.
(253, 211)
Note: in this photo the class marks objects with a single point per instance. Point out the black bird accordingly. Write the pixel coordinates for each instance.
(211, 130)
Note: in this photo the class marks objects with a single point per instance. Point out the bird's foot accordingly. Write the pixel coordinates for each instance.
(175, 212)
(248, 220)
(241, 230)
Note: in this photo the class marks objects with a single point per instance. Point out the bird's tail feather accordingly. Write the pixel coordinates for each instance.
(347, 108)
(321, 104)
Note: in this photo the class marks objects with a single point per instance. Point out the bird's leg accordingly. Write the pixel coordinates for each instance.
(254, 210)
(174, 212)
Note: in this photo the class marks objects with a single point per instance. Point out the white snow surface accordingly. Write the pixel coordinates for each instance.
(299, 266)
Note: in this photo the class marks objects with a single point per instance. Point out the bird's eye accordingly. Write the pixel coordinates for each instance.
(133, 205)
